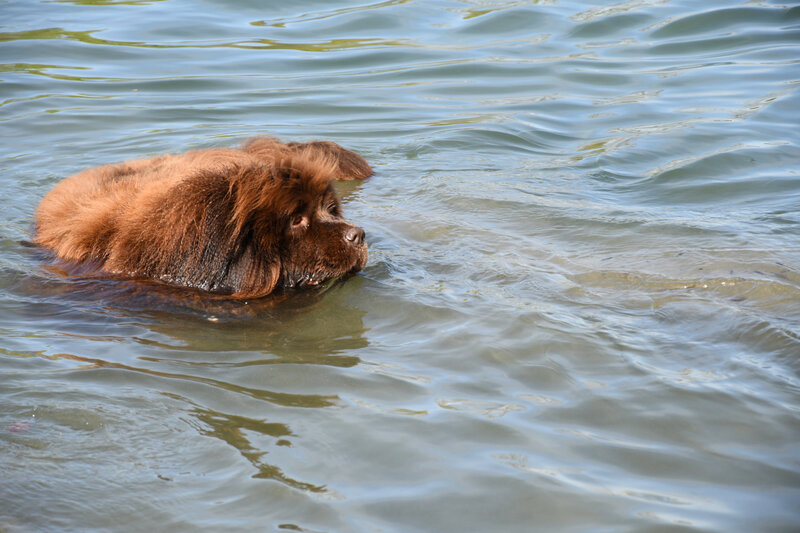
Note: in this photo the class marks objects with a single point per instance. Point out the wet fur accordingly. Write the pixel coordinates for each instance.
(233, 221)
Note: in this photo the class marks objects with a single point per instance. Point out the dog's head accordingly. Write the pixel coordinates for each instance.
(291, 230)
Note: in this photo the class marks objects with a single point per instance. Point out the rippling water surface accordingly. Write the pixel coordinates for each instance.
(581, 310)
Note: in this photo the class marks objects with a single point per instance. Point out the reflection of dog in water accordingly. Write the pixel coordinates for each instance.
(239, 222)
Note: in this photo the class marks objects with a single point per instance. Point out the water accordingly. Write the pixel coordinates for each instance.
(581, 310)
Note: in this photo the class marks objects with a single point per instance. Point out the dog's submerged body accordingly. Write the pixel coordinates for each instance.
(239, 222)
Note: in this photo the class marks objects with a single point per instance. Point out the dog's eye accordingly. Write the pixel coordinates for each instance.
(299, 221)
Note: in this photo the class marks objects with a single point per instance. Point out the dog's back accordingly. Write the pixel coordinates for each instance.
(80, 216)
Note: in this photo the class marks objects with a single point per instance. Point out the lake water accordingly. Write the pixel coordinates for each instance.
(581, 310)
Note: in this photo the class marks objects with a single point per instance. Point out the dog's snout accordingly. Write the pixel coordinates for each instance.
(354, 235)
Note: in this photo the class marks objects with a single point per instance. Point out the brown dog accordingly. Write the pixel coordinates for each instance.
(240, 222)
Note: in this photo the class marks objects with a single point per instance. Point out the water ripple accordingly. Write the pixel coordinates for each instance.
(580, 309)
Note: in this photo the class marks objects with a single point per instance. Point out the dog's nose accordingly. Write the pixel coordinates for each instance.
(354, 235)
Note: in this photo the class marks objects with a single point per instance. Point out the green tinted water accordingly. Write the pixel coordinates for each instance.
(581, 310)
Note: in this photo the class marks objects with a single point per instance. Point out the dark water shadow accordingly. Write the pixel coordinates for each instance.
(313, 326)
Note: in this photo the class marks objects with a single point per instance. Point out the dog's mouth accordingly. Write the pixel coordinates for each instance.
(307, 280)
(310, 280)
(300, 276)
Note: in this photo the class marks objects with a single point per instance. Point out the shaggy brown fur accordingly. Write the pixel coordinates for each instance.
(233, 221)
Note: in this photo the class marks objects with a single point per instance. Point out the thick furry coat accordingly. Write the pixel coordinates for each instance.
(234, 221)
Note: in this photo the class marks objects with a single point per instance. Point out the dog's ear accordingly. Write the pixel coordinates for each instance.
(201, 243)
(243, 260)
(349, 165)
(241, 232)
(255, 271)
